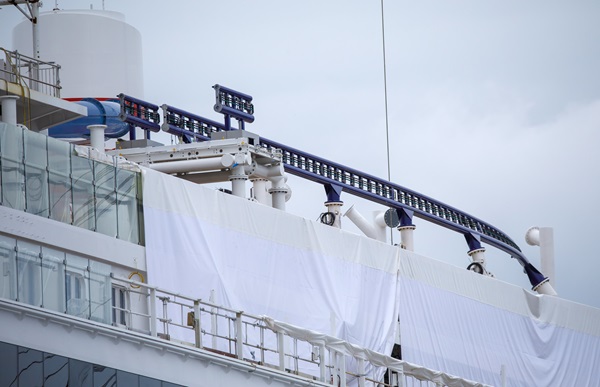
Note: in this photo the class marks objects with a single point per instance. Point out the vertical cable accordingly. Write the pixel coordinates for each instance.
(387, 133)
(385, 94)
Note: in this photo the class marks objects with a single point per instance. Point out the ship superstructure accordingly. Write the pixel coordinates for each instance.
(126, 267)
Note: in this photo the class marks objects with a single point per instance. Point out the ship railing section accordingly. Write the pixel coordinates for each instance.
(30, 72)
(265, 342)
(68, 183)
(194, 128)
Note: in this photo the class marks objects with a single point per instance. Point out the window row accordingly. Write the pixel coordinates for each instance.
(25, 367)
(44, 176)
(52, 279)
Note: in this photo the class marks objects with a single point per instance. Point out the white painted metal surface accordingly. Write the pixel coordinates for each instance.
(544, 238)
(375, 230)
(407, 237)
(93, 43)
(97, 137)
(9, 109)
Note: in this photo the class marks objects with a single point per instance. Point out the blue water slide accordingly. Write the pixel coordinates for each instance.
(99, 113)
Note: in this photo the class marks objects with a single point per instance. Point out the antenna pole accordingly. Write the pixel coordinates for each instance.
(385, 93)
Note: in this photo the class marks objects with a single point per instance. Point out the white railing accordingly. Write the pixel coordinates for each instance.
(265, 342)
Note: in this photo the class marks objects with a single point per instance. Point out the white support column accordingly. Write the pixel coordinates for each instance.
(238, 179)
(9, 109)
(544, 237)
(336, 209)
(478, 256)
(547, 254)
(260, 192)
(279, 191)
(407, 237)
(97, 137)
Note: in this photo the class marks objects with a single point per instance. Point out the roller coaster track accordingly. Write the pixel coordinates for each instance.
(193, 128)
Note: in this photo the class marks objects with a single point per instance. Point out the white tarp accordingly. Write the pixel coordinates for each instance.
(267, 262)
(465, 324)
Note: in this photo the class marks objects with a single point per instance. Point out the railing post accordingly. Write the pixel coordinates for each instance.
(153, 312)
(213, 320)
(361, 372)
(165, 318)
(400, 376)
(239, 336)
(197, 328)
(342, 369)
(281, 350)
(322, 364)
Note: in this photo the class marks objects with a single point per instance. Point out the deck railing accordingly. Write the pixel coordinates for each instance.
(265, 342)
(30, 72)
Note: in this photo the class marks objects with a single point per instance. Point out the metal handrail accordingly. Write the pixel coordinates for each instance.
(192, 127)
(32, 73)
(327, 366)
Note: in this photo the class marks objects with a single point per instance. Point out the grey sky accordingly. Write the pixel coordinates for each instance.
(494, 107)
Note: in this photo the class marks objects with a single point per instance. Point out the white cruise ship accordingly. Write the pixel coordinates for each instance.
(125, 262)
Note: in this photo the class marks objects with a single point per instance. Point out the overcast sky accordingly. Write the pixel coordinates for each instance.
(494, 106)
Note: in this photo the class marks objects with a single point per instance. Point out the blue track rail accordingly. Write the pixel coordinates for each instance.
(193, 128)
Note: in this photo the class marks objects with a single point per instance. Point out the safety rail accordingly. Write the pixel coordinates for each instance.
(265, 342)
(187, 125)
(193, 127)
(27, 71)
(139, 113)
(361, 184)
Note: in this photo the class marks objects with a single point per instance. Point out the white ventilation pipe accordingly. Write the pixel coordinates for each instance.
(97, 137)
(280, 192)
(9, 109)
(407, 237)
(259, 190)
(544, 238)
(373, 230)
(195, 165)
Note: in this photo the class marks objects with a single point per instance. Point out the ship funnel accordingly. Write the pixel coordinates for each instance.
(375, 231)
(544, 238)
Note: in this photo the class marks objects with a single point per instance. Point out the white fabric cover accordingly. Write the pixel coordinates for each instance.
(264, 261)
(267, 262)
(469, 325)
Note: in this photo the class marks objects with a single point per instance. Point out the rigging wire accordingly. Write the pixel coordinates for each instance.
(385, 94)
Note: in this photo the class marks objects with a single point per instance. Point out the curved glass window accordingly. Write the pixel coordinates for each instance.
(46, 177)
